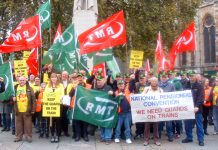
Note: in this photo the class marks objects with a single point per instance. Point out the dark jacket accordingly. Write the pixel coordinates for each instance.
(198, 95)
(2, 87)
(31, 100)
(185, 84)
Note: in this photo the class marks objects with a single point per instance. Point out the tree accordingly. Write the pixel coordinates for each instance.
(144, 19)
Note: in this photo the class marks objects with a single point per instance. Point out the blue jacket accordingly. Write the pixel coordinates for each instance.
(198, 95)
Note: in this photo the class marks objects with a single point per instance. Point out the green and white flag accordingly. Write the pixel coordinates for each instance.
(6, 73)
(44, 12)
(62, 54)
(101, 56)
(95, 107)
(113, 66)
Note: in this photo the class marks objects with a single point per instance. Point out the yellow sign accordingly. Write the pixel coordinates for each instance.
(45, 78)
(51, 104)
(136, 59)
(135, 64)
(26, 55)
(136, 55)
(20, 67)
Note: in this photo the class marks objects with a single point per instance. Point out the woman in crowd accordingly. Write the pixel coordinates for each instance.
(54, 85)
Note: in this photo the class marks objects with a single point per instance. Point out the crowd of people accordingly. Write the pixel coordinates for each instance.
(24, 109)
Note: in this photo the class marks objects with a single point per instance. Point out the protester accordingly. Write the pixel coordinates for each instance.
(43, 121)
(206, 104)
(54, 85)
(80, 126)
(198, 99)
(2, 89)
(124, 117)
(64, 108)
(215, 106)
(177, 124)
(167, 87)
(153, 88)
(106, 133)
(24, 108)
(139, 89)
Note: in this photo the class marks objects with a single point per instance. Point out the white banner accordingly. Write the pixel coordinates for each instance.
(162, 106)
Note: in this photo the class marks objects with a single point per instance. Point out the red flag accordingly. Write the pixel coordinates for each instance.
(147, 67)
(25, 36)
(159, 53)
(58, 33)
(108, 33)
(163, 65)
(32, 61)
(185, 42)
(99, 67)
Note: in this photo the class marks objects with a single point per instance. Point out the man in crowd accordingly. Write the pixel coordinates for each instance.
(139, 89)
(167, 87)
(64, 108)
(198, 99)
(24, 108)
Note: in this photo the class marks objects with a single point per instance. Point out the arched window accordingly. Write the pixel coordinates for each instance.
(209, 39)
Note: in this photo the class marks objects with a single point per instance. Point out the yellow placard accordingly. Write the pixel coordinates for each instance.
(135, 64)
(136, 54)
(136, 58)
(26, 55)
(51, 104)
(20, 67)
(45, 78)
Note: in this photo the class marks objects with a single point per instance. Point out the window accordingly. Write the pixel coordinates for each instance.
(209, 39)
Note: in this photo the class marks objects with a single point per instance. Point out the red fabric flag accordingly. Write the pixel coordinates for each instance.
(160, 56)
(147, 67)
(58, 33)
(32, 61)
(108, 33)
(159, 53)
(185, 42)
(99, 67)
(25, 36)
(163, 65)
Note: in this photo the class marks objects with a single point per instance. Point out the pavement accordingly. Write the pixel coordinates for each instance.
(67, 143)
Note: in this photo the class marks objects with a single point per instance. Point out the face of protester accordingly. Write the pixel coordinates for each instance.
(163, 78)
(100, 83)
(22, 81)
(32, 78)
(37, 81)
(142, 81)
(206, 83)
(64, 76)
(127, 79)
(193, 78)
(54, 78)
(183, 76)
(80, 79)
(43, 85)
(121, 87)
(154, 83)
(198, 77)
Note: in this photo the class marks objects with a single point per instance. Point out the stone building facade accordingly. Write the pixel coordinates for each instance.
(204, 59)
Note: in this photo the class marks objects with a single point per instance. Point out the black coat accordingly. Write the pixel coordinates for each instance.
(2, 87)
(198, 95)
